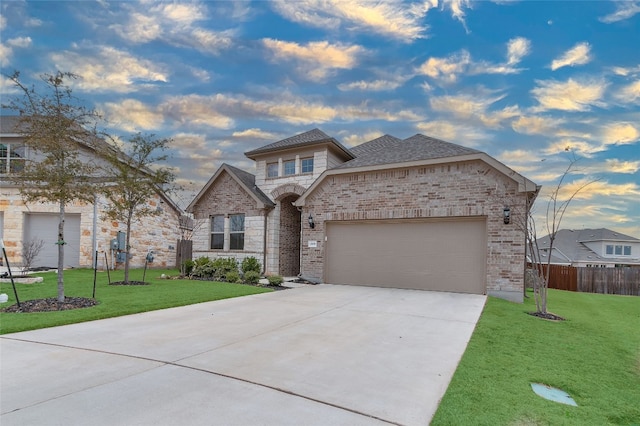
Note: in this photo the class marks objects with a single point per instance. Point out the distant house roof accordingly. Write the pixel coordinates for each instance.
(311, 137)
(389, 150)
(569, 246)
(8, 123)
(244, 179)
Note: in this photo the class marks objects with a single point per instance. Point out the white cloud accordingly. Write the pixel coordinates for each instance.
(5, 54)
(172, 23)
(21, 42)
(3, 22)
(446, 69)
(132, 115)
(579, 54)
(624, 10)
(571, 95)
(517, 48)
(451, 131)
(106, 69)
(372, 86)
(392, 18)
(356, 139)
(316, 60)
(620, 133)
(457, 9)
(254, 134)
(474, 108)
(629, 94)
(613, 165)
(536, 125)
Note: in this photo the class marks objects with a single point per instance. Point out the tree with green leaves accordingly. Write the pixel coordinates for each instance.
(60, 133)
(135, 178)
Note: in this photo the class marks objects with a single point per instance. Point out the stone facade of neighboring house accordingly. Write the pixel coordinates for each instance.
(417, 213)
(86, 229)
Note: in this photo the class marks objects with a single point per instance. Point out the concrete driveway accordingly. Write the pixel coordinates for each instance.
(319, 355)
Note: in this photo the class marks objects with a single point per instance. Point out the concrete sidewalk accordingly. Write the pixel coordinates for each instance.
(312, 355)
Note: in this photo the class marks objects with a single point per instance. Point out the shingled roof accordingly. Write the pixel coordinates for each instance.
(311, 137)
(249, 181)
(390, 150)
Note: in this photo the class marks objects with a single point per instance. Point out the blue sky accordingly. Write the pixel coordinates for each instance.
(520, 80)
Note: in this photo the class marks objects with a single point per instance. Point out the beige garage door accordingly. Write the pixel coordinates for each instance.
(442, 255)
(44, 227)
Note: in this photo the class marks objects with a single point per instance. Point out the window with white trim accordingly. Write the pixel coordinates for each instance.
(236, 234)
(306, 165)
(217, 232)
(289, 167)
(12, 157)
(272, 170)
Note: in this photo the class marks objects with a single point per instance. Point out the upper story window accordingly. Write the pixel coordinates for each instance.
(307, 165)
(12, 157)
(289, 167)
(618, 250)
(272, 170)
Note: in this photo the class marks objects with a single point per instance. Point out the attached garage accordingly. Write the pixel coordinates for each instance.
(433, 254)
(45, 227)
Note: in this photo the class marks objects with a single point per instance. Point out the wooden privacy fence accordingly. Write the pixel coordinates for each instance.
(624, 281)
(609, 280)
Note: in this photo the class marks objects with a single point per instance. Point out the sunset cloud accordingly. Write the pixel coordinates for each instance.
(571, 95)
(579, 54)
(316, 60)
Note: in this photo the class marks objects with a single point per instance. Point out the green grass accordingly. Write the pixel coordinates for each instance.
(594, 356)
(112, 300)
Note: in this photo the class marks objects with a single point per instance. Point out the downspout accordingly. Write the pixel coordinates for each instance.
(264, 243)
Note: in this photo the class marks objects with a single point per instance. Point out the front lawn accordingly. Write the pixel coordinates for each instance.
(594, 356)
(113, 300)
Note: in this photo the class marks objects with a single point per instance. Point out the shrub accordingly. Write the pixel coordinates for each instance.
(233, 277)
(187, 266)
(203, 267)
(223, 266)
(251, 277)
(275, 279)
(250, 264)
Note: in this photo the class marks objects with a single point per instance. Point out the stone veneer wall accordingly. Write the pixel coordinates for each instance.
(448, 190)
(159, 233)
(226, 196)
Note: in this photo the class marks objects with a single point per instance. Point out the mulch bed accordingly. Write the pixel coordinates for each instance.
(129, 283)
(548, 316)
(52, 304)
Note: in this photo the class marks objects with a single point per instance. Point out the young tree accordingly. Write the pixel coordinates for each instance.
(56, 127)
(135, 179)
(559, 200)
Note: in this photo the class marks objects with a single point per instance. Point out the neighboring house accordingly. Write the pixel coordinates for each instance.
(599, 248)
(417, 213)
(85, 230)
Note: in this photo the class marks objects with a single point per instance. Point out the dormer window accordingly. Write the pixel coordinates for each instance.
(307, 165)
(618, 250)
(272, 170)
(289, 167)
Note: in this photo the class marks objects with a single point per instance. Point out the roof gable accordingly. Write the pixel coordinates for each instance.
(311, 137)
(389, 150)
(246, 180)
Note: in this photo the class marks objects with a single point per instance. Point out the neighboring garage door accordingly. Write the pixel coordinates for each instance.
(442, 255)
(45, 227)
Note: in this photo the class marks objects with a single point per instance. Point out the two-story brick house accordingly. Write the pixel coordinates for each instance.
(86, 228)
(417, 213)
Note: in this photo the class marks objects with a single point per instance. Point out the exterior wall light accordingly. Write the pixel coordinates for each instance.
(506, 213)
(311, 222)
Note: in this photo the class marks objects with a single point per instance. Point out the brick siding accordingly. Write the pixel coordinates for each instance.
(464, 189)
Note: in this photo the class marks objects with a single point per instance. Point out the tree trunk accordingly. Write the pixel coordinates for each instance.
(61, 254)
(127, 248)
